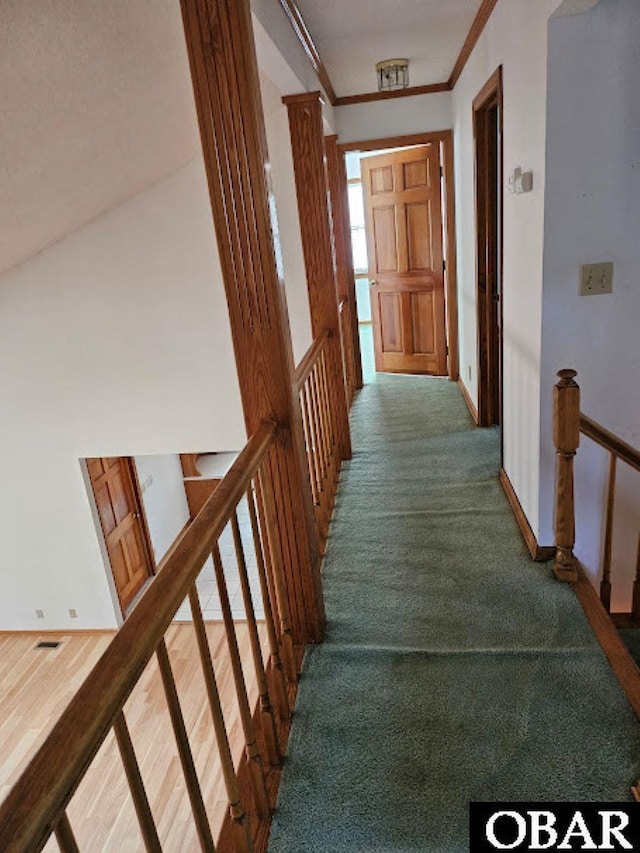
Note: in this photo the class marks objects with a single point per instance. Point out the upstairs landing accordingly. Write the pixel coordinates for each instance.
(454, 668)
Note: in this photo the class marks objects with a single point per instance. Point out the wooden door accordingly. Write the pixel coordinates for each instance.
(120, 514)
(406, 265)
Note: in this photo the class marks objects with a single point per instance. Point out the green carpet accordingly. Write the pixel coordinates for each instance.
(454, 668)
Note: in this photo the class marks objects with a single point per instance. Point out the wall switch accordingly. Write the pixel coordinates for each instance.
(40, 614)
(73, 613)
(595, 279)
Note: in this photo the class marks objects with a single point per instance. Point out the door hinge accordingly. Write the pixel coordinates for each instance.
(444, 266)
(441, 172)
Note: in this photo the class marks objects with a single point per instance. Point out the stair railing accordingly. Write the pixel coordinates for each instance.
(36, 807)
(320, 433)
(569, 423)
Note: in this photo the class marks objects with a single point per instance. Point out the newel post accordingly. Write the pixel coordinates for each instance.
(566, 437)
(307, 148)
(224, 70)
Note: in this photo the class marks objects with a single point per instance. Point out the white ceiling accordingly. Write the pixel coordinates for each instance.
(352, 35)
(96, 105)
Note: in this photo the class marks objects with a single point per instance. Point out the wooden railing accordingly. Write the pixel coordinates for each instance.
(569, 424)
(36, 807)
(320, 433)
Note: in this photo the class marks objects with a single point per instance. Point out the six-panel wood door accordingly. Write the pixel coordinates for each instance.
(120, 517)
(404, 239)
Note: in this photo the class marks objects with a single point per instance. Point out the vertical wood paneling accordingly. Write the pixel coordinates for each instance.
(307, 145)
(223, 64)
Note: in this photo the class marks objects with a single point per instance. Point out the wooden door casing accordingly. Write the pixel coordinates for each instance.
(403, 203)
(487, 123)
(120, 512)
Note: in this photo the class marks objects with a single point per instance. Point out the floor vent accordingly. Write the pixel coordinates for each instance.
(49, 644)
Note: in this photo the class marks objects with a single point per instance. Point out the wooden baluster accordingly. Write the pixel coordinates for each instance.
(322, 424)
(605, 584)
(184, 749)
(308, 445)
(65, 837)
(635, 610)
(314, 469)
(136, 785)
(315, 439)
(333, 456)
(266, 710)
(286, 638)
(242, 834)
(277, 673)
(254, 758)
(566, 437)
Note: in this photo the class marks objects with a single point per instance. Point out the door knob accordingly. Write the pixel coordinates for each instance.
(373, 282)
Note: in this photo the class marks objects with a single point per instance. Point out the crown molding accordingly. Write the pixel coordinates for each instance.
(306, 40)
(398, 93)
(304, 37)
(477, 27)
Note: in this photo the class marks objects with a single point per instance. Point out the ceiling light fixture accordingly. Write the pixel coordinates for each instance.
(392, 74)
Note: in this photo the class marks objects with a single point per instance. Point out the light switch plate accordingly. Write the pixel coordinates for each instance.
(596, 279)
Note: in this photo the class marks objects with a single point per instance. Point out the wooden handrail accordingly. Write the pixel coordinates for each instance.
(625, 452)
(38, 800)
(311, 356)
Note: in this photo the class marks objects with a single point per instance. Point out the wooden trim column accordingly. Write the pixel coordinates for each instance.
(224, 71)
(345, 275)
(307, 145)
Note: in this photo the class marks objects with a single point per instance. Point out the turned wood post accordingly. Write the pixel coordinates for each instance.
(224, 71)
(307, 147)
(566, 437)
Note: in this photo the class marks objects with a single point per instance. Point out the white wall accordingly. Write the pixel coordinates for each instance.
(394, 117)
(284, 189)
(592, 214)
(163, 495)
(516, 38)
(115, 341)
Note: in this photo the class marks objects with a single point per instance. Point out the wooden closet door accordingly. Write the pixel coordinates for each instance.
(121, 519)
(404, 237)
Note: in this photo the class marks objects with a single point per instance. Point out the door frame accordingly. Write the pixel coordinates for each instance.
(489, 324)
(444, 138)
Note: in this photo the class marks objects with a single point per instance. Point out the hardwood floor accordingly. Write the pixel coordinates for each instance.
(36, 685)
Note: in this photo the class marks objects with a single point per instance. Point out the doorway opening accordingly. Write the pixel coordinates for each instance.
(402, 227)
(488, 125)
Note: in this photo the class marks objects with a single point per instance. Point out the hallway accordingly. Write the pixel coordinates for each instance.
(454, 668)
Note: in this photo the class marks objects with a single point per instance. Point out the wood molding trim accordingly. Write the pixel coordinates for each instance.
(450, 254)
(489, 218)
(307, 148)
(345, 276)
(477, 27)
(224, 71)
(618, 655)
(467, 398)
(409, 92)
(306, 40)
(394, 141)
(538, 553)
